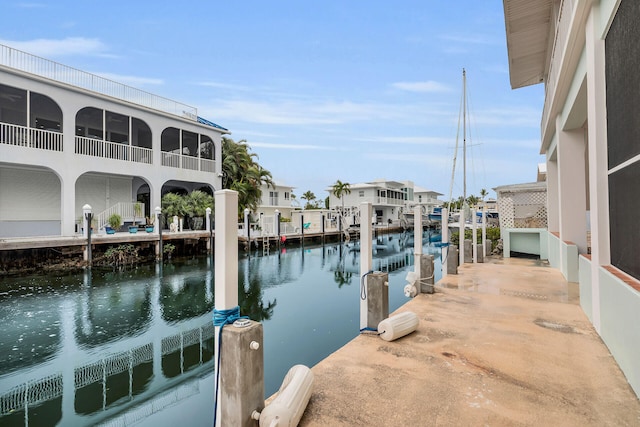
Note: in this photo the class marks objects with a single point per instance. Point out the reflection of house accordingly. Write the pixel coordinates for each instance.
(388, 198)
(70, 138)
(586, 54)
(77, 359)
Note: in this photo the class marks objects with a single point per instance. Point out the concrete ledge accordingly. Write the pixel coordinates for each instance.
(502, 343)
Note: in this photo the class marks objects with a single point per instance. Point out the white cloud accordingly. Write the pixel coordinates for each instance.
(62, 47)
(298, 111)
(410, 140)
(422, 87)
(294, 146)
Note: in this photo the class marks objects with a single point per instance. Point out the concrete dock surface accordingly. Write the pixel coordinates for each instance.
(503, 343)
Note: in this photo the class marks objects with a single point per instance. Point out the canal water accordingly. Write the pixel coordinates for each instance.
(136, 346)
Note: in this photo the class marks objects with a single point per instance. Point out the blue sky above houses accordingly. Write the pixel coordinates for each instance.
(321, 91)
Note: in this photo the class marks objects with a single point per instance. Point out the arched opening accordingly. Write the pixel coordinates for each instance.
(89, 123)
(45, 113)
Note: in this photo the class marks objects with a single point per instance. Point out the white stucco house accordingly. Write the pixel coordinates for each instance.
(70, 138)
(388, 198)
(587, 55)
(278, 198)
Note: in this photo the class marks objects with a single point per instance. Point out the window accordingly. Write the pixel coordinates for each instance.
(117, 128)
(170, 140)
(207, 149)
(89, 123)
(273, 198)
(287, 196)
(361, 193)
(13, 105)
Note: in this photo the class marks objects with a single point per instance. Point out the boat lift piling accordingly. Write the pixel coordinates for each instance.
(240, 370)
(374, 286)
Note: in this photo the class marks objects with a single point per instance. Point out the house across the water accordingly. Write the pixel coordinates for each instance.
(69, 138)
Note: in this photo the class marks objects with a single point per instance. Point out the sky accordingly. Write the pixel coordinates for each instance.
(321, 91)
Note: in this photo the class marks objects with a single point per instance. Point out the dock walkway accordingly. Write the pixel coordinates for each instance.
(504, 343)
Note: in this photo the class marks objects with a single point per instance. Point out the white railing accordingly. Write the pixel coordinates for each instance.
(559, 44)
(170, 159)
(207, 165)
(52, 70)
(112, 150)
(141, 155)
(190, 163)
(29, 137)
(127, 212)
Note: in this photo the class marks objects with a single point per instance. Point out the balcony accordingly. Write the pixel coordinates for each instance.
(29, 137)
(32, 64)
(22, 136)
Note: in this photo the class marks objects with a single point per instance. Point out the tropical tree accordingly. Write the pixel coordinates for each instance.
(472, 200)
(242, 173)
(483, 193)
(339, 189)
(309, 197)
(294, 200)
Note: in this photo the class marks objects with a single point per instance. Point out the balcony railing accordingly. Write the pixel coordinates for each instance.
(29, 137)
(112, 150)
(52, 70)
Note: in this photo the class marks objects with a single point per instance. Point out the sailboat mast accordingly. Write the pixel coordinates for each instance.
(464, 135)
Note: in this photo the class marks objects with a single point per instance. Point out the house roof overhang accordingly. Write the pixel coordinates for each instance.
(528, 29)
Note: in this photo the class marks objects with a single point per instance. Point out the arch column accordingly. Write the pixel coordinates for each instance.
(598, 166)
(572, 186)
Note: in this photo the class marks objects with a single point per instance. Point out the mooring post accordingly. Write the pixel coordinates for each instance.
(276, 226)
(158, 231)
(417, 244)
(461, 221)
(444, 249)
(366, 262)
(427, 276)
(247, 225)
(240, 370)
(209, 230)
(474, 236)
(484, 233)
(86, 231)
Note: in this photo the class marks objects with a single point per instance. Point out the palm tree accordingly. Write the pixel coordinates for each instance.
(242, 173)
(339, 189)
(483, 193)
(309, 197)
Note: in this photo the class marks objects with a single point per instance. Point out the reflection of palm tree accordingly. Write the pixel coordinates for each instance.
(342, 277)
(251, 303)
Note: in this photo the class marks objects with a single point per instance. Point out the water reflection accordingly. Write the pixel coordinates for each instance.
(112, 347)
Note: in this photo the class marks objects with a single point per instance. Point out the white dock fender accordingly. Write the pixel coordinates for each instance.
(397, 326)
(292, 399)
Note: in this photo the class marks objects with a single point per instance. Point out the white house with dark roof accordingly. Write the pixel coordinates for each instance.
(70, 138)
(587, 55)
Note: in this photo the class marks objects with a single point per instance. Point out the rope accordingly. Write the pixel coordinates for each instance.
(222, 318)
(363, 288)
(374, 331)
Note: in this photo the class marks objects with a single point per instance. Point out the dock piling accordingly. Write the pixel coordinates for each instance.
(240, 371)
